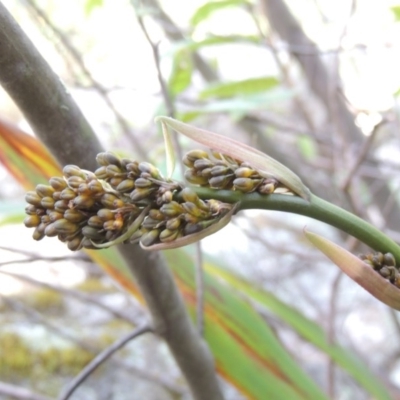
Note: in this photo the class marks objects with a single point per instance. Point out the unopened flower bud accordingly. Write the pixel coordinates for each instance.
(194, 155)
(57, 183)
(75, 243)
(65, 226)
(221, 182)
(150, 238)
(202, 163)
(151, 169)
(30, 209)
(47, 202)
(191, 177)
(92, 233)
(156, 214)
(168, 235)
(108, 158)
(95, 186)
(172, 209)
(33, 198)
(95, 222)
(74, 181)
(101, 173)
(32, 221)
(38, 234)
(127, 185)
(51, 230)
(61, 205)
(74, 215)
(73, 170)
(173, 224)
(245, 172)
(389, 260)
(141, 193)
(143, 183)
(189, 195)
(55, 215)
(219, 170)
(44, 190)
(105, 214)
(246, 185)
(67, 194)
(83, 202)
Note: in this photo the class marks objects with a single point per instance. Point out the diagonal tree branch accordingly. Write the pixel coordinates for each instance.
(61, 126)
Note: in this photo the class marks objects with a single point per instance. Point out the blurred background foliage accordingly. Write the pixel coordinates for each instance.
(312, 83)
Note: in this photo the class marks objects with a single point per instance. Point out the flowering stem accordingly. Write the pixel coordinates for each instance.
(315, 208)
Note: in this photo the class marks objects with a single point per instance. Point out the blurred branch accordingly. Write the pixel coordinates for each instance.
(101, 358)
(320, 81)
(103, 92)
(59, 123)
(75, 294)
(16, 392)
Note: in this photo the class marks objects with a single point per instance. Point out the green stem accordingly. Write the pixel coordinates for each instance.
(316, 208)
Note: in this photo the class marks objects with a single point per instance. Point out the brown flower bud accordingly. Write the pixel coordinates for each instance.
(133, 169)
(108, 200)
(189, 195)
(127, 185)
(173, 224)
(30, 209)
(55, 215)
(105, 214)
(191, 177)
(191, 228)
(44, 190)
(74, 215)
(101, 173)
(33, 198)
(141, 193)
(156, 214)
(172, 209)
(65, 226)
(389, 260)
(95, 186)
(150, 238)
(38, 234)
(221, 182)
(194, 155)
(75, 243)
(83, 202)
(92, 233)
(108, 158)
(67, 194)
(168, 235)
(47, 202)
(246, 172)
(203, 163)
(45, 219)
(246, 185)
(95, 222)
(73, 170)
(192, 209)
(57, 183)
(74, 181)
(51, 230)
(151, 169)
(219, 170)
(32, 221)
(143, 183)
(61, 205)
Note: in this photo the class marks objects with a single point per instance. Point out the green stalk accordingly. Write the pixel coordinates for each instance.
(315, 208)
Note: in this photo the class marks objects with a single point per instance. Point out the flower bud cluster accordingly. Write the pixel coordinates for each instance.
(86, 209)
(79, 209)
(384, 264)
(219, 171)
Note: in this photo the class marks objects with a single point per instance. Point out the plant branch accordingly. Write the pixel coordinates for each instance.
(59, 123)
(100, 359)
(316, 208)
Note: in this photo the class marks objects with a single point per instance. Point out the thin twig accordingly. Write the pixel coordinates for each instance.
(199, 288)
(168, 100)
(101, 358)
(16, 392)
(361, 156)
(103, 92)
(75, 294)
